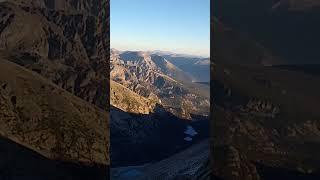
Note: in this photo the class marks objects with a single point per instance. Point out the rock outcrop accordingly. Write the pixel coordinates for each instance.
(67, 48)
(54, 77)
(128, 101)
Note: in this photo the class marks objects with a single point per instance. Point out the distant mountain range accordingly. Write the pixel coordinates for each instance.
(163, 53)
(153, 76)
(154, 102)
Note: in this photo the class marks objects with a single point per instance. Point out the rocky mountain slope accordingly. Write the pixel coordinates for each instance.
(128, 101)
(54, 78)
(270, 118)
(197, 67)
(151, 137)
(65, 48)
(265, 122)
(144, 89)
(49, 120)
(153, 77)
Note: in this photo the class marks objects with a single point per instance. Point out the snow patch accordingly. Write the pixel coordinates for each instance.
(190, 131)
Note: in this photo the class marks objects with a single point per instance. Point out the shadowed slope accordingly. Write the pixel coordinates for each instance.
(19, 162)
(191, 163)
(151, 137)
(268, 116)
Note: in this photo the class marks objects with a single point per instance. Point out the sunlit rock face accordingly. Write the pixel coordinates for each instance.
(54, 83)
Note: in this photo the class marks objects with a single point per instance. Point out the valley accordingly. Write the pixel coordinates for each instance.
(154, 77)
(157, 111)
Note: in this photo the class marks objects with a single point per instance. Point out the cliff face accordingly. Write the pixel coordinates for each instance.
(55, 92)
(69, 49)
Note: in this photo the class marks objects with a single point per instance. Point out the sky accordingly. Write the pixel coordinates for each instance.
(179, 26)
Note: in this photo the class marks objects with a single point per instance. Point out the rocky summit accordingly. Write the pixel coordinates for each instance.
(54, 88)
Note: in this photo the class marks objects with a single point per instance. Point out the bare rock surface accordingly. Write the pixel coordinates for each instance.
(49, 120)
(54, 86)
(128, 101)
(154, 77)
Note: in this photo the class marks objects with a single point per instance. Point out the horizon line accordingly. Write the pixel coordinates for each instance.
(165, 51)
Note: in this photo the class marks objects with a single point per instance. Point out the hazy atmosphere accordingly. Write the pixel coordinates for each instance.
(181, 26)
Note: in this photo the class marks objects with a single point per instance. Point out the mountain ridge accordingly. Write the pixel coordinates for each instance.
(154, 76)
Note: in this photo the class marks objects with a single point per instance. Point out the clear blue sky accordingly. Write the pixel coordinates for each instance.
(181, 26)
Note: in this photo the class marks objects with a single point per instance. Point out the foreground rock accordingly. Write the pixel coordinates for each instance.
(67, 47)
(54, 88)
(49, 120)
(266, 124)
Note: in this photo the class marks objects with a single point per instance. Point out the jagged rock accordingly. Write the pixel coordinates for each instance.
(152, 75)
(67, 48)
